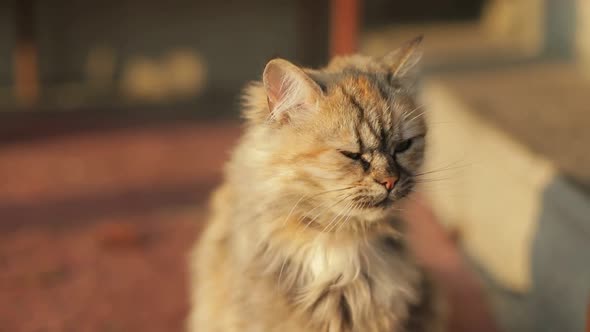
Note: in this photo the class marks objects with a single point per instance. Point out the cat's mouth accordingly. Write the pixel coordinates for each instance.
(384, 203)
(372, 203)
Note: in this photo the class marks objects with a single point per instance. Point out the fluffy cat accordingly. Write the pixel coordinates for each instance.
(302, 235)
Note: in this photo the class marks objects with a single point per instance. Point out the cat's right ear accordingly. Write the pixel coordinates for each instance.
(290, 92)
(403, 62)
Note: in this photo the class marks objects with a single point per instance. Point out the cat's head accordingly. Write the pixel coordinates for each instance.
(348, 138)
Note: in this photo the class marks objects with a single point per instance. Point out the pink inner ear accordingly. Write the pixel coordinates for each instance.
(276, 86)
(287, 88)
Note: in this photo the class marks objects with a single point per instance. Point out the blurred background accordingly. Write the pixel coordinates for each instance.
(116, 116)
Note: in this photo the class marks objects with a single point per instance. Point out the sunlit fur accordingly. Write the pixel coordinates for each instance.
(302, 237)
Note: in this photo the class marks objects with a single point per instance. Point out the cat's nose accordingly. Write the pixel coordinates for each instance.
(389, 182)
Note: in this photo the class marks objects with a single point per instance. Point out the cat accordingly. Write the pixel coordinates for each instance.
(303, 234)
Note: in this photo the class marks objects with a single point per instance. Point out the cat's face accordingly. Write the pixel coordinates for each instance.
(361, 147)
(349, 138)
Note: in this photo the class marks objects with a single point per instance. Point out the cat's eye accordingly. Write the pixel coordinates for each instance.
(358, 157)
(404, 146)
(351, 155)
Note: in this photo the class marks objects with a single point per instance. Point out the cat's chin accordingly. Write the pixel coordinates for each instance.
(379, 204)
(375, 212)
(379, 210)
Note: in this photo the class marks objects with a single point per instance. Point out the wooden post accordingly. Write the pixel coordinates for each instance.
(344, 26)
(26, 77)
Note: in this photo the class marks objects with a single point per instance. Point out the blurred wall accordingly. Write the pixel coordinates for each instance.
(6, 42)
(219, 30)
(84, 41)
(192, 54)
(386, 12)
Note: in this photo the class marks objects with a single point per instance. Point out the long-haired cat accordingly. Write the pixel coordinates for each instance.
(303, 234)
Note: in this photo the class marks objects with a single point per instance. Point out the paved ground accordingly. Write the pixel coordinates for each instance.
(95, 227)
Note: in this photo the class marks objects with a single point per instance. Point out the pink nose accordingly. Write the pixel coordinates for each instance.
(389, 182)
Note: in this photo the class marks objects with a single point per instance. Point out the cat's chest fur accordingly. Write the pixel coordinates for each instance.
(353, 286)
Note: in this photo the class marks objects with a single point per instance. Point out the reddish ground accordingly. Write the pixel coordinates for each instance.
(95, 228)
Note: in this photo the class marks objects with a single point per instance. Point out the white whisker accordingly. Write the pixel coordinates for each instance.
(406, 115)
(344, 216)
(348, 217)
(324, 210)
(416, 117)
(337, 216)
(309, 197)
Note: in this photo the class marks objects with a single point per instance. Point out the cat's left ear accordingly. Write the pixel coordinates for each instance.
(289, 90)
(403, 62)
